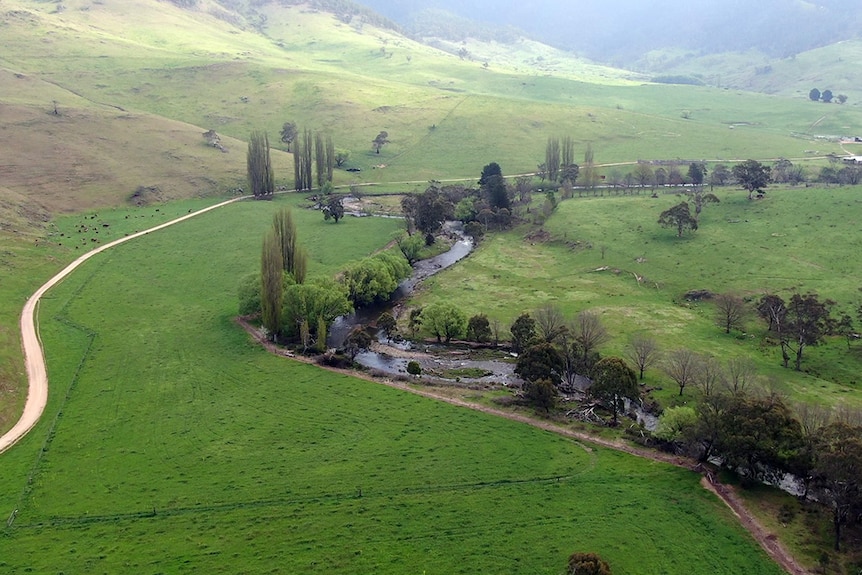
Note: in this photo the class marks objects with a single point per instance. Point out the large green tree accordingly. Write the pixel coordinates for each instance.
(380, 140)
(427, 211)
(523, 332)
(479, 329)
(678, 217)
(807, 322)
(333, 208)
(261, 180)
(289, 132)
(696, 173)
(356, 342)
(838, 472)
(757, 435)
(444, 321)
(613, 383)
(541, 394)
(752, 176)
(541, 361)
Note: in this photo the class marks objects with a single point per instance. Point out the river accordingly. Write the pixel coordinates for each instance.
(391, 357)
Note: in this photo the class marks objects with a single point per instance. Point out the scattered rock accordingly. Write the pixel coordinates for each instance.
(698, 295)
(214, 140)
(146, 195)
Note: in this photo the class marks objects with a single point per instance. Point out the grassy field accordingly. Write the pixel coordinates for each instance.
(774, 245)
(172, 443)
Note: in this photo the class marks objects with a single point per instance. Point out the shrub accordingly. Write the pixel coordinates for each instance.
(587, 564)
(413, 368)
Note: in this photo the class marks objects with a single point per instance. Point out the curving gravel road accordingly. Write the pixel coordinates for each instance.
(37, 399)
(34, 356)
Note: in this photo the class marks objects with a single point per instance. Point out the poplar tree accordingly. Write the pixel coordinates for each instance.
(552, 158)
(271, 284)
(320, 159)
(261, 180)
(330, 158)
(568, 151)
(294, 257)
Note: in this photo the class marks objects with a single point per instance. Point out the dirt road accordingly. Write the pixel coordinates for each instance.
(726, 493)
(37, 398)
(34, 356)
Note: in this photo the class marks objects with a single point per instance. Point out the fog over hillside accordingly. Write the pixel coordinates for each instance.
(621, 31)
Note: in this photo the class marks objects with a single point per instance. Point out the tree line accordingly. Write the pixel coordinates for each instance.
(292, 309)
(756, 434)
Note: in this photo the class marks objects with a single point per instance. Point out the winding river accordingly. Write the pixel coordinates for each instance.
(392, 357)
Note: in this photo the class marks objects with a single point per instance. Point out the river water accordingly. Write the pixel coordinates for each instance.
(343, 325)
(391, 357)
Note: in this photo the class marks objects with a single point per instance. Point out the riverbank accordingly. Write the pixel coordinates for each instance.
(460, 396)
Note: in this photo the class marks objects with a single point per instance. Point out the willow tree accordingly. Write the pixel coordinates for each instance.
(261, 180)
(271, 284)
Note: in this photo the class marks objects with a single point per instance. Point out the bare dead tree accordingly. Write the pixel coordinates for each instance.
(851, 416)
(811, 417)
(730, 311)
(741, 373)
(708, 375)
(549, 322)
(496, 328)
(643, 351)
(589, 331)
(682, 366)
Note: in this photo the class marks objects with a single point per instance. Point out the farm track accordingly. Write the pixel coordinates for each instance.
(37, 398)
(726, 493)
(34, 356)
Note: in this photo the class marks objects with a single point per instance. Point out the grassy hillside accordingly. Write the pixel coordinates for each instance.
(353, 81)
(172, 443)
(749, 248)
(833, 67)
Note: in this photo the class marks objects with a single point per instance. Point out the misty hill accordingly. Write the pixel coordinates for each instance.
(115, 83)
(621, 32)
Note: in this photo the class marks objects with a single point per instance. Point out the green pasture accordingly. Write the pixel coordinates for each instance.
(172, 443)
(803, 239)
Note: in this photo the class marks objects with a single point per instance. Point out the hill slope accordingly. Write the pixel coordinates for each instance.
(211, 69)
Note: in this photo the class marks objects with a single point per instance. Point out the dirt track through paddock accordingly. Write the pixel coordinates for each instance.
(726, 493)
(34, 355)
(37, 398)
